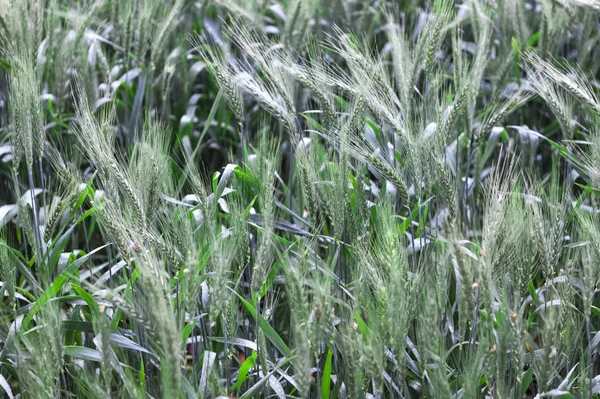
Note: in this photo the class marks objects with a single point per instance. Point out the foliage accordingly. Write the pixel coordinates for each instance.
(344, 199)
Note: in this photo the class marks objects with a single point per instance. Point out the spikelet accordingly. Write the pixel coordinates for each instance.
(222, 75)
(268, 100)
(153, 194)
(357, 118)
(165, 250)
(456, 109)
(7, 276)
(499, 111)
(54, 219)
(264, 251)
(464, 276)
(388, 173)
(271, 64)
(114, 231)
(447, 187)
(307, 187)
(434, 35)
(555, 99)
(129, 192)
(328, 113)
(568, 78)
(298, 305)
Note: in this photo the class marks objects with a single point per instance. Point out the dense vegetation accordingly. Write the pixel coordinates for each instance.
(299, 198)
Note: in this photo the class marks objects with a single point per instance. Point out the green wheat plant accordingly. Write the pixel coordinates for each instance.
(299, 199)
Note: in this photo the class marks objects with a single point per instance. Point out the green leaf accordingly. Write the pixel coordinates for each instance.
(87, 298)
(87, 192)
(58, 245)
(312, 124)
(352, 180)
(563, 151)
(533, 293)
(589, 189)
(25, 293)
(270, 333)
(187, 331)
(56, 286)
(403, 227)
(362, 326)
(272, 274)
(4, 64)
(504, 137)
(325, 384)
(229, 170)
(338, 385)
(516, 63)
(376, 129)
(142, 376)
(243, 373)
(215, 181)
(116, 339)
(83, 353)
(534, 38)
(527, 377)
(248, 208)
(247, 178)
(259, 384)
(343, 104)
(209, 120)
(123, 342)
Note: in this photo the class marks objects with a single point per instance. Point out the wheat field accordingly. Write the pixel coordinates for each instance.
(344, 199)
